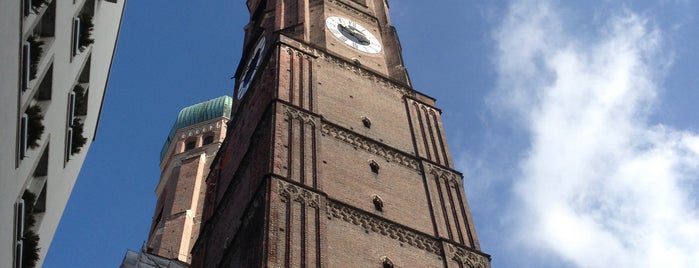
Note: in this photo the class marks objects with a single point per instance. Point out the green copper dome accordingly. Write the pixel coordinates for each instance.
(197, 113)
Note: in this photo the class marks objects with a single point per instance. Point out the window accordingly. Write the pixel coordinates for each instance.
(82, 29)
(366, 122)
(71, 107)
(19, 232)
(75, 138)
(69, 131)
(19, 249)
(387, 263)
(374, 166)
(26, 7)
(26, 65)
(190, 145)
(27, 240)
(19, 219)
(69, 142)
(208, 140)
(378, 202)
(75, 43)
(23, 135)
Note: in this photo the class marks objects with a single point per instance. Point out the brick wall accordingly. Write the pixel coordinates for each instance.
(294, 186)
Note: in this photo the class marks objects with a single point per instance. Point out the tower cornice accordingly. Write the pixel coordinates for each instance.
(296, 46)
(358, 13)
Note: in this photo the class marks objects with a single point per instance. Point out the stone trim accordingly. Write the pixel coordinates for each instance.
(358, 141)
(303, 50)
(298, 194)
(196, 130)
(363, 15)
(294, 46)
(465, 257)
(294, 113)
(300, 53)
(450, 177)
(380, 226)
(356, 69)
(425, 107)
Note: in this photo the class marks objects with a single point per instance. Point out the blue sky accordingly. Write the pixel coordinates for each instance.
(574, 123)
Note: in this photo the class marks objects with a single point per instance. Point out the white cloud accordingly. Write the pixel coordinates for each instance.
(600, 185)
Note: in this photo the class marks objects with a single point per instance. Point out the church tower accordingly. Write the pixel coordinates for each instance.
(331, 158)
(185, 158)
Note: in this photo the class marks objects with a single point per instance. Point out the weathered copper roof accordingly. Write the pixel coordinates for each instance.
(197, 113)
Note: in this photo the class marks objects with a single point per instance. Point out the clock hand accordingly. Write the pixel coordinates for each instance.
(353, 32)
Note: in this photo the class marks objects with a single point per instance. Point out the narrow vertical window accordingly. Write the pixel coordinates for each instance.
(76, 105)
(378, 202)
(71, 108)
(27, 246)
(19, 219)
(76, 36)
(26, 65)
(387, 263)
(69, 143)
(19, 232)
(26, 7)
(19, 250)
(366, 122)
(374, 166)
(23, 135)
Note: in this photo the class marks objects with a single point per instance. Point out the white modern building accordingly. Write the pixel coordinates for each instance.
(55, 58)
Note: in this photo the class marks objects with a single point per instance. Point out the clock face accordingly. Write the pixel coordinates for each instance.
(353, 34)
(251, 68)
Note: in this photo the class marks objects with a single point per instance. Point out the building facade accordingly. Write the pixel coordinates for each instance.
(55, 58)
(185, 158)
(331, 158)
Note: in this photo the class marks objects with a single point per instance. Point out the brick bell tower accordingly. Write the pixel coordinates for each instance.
(331, 158)
(185, 158)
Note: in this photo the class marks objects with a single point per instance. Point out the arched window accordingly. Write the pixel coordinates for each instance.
(378, 202)
(189, 145)
(387, 263)
(374, 166)
(366, 122)
(208, 139)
